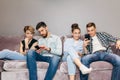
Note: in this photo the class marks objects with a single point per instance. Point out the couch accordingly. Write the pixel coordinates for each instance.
(17, 70)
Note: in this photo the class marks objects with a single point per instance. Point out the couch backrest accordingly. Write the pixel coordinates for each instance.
(10, 42)
(13, 42)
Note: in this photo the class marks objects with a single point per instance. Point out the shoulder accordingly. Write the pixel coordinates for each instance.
(55, 37)
(34, 40)
(69, 39)
(22, 42)
(102, 33)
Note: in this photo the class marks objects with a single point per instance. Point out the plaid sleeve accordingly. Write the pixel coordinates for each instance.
(110, 37)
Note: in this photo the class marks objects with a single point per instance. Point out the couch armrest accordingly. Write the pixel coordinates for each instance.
(114, 50)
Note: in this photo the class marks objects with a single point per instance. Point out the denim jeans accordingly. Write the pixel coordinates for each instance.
(102, 56)
(33, 56)
(11, 55)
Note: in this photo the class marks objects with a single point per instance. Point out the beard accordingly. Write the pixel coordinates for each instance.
(44, 36)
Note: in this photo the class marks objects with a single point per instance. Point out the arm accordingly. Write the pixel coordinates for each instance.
(26, 43)
(85, 51)
(86, 46)
(33, 46)
(58, 49)
(21, 49)
(69, 48)
(26, 47)
(110, 37)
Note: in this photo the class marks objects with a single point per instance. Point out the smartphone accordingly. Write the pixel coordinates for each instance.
(87, 36)
(37, 47)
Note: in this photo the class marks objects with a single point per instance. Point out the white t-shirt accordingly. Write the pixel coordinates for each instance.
(97, 45)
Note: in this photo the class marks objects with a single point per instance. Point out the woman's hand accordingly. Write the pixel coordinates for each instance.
(26, 40)
(80, 54)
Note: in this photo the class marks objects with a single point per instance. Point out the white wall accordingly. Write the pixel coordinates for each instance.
(59, 15)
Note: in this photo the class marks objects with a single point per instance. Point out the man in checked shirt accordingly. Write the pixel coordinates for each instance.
(97, 49)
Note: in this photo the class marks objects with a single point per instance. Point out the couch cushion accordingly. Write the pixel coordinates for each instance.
(64, 68)
(23, 75)
(15, 65)
(97, 66)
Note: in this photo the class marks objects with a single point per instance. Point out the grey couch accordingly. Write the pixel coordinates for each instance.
(17, 70)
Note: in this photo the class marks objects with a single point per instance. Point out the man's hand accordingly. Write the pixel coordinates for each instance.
(45, 48)
(86, 42)
(39, 51)
(118, 44)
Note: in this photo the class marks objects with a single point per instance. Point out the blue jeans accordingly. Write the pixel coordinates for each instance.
(11, 55)
(102, 56)
(33, 56)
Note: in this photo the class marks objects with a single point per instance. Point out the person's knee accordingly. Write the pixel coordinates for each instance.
(113, 59)
(68, 58)
(118, 60)
(55, 59)
(31, 53)
(5, 50)
(84, 60)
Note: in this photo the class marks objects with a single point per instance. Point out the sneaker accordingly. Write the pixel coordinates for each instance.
(84, 69)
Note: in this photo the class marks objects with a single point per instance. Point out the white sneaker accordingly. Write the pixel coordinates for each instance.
(84, 69)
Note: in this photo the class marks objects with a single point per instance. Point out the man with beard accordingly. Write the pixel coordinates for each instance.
(48, 50)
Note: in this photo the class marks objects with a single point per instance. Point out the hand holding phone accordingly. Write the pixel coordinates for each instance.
(37, 47)
(87, 36)
(42, 46)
